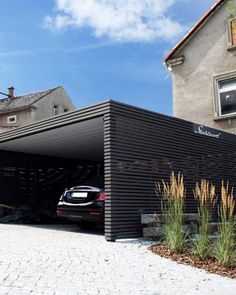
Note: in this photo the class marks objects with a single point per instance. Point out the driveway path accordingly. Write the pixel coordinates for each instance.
(61, 260)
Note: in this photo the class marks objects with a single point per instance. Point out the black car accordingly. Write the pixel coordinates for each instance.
(82, 204)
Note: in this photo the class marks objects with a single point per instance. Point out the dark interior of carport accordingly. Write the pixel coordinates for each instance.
(41, 165)
(39, 161)
(123, 148)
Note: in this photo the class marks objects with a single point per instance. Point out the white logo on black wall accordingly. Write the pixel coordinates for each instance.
(202, 131)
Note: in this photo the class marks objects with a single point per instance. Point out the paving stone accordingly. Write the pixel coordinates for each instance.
(61, 260)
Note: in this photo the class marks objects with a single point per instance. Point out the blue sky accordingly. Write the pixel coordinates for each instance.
(95, 49)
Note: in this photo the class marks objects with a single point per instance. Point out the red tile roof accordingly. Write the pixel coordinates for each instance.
(23, 101)
(202, 20)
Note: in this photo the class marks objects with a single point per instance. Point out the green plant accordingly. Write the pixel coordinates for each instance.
(205, 194)
(173, 194)
(225, 246)
(231, 10)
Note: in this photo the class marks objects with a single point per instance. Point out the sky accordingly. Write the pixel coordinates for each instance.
(95, 49)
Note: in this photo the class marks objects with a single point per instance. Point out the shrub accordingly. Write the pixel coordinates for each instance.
(205, 194)
(174, 195)
(225, 246)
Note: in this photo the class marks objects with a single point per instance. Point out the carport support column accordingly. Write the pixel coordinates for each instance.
(109, 235)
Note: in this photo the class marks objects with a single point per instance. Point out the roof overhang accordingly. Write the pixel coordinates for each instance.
(192, 32)
(14, 110)
(75, 135)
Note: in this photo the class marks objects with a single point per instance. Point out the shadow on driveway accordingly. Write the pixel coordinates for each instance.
(66, 227)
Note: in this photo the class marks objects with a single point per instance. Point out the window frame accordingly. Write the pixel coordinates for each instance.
(11, 117)
(55, 109)
(217, 101)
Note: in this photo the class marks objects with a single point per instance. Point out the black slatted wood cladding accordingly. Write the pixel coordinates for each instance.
(140, 148)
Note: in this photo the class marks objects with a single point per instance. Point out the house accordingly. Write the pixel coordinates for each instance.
(24, 109)
(203, 66)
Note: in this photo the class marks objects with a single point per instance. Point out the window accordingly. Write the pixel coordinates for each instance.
(227, 96)
(55, 110)
(232, 33)
(66, 110)
(11, 119)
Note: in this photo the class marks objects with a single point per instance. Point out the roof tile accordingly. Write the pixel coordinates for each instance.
(22, 101)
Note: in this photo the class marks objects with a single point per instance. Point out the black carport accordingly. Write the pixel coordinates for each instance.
(125, 147)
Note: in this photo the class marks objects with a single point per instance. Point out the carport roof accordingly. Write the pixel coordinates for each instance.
(75, 135)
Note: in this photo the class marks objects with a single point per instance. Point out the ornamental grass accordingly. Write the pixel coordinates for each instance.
(225, 246)
(174, 194)
(205, 194)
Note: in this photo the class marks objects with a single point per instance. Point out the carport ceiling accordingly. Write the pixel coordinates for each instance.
(81, 140)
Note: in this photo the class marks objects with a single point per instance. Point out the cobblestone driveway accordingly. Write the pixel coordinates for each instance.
(60, 260)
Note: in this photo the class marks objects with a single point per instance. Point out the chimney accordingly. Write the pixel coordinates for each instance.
(11, 92)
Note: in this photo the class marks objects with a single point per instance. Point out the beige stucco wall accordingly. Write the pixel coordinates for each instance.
(23, 117)
(206, 56)
(45, 105)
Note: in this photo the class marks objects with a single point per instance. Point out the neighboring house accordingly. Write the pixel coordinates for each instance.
(203, 66)
(24, 109)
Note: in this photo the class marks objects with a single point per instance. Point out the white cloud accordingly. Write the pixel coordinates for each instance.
(119, 20)
(23, 52)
